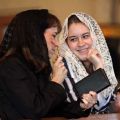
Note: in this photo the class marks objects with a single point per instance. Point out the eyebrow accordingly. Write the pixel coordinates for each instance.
(86, 33)
(79, 35)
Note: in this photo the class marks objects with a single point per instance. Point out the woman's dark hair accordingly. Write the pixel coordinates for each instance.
(25, 35)
(73, 19)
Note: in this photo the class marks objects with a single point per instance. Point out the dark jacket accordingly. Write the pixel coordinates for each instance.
(25, 95)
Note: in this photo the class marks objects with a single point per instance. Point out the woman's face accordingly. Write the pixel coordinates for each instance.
(79, 40)
(50, 36)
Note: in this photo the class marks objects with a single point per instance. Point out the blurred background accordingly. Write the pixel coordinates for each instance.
(106, 12)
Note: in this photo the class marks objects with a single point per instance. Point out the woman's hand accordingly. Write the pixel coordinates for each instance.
(59, 71)
(96, 59)
(89, 100)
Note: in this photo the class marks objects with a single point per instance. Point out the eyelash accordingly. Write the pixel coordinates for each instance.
(84, 37)
(73, 39)
(54, 36)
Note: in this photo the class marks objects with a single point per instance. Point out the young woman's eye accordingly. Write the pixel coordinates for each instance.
(86, 36)
(73, 39)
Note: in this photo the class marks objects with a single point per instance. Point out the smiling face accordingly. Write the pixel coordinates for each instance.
(79, 40)
(50, 36)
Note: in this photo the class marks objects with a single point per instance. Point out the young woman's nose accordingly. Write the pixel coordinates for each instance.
(81, 42)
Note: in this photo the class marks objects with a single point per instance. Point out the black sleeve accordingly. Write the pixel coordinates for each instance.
(29, 100)
(71, 110)
(22, 91)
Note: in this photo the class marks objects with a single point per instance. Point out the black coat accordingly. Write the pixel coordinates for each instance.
(24, 95)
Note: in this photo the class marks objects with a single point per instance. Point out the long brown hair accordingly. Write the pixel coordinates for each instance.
(25, 35)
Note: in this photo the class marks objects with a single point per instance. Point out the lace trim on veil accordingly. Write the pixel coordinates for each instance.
(77, 69)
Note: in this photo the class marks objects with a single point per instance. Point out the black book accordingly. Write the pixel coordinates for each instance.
(97, 81)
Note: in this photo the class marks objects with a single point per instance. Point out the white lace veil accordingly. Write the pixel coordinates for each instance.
(76, 68)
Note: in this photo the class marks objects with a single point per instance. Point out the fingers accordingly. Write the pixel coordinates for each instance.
(90, 96)
(59, 71)
(59, 60)
(93, 54)
(85, 101)
(93, 94)
(94, 97)
(59, 63)
(96, 59)
(89, 100)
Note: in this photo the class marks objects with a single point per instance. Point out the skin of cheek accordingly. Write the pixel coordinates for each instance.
(74, 46)
(79, 29)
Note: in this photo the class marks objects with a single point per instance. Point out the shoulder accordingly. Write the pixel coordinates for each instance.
(10, 62)
(12, 66)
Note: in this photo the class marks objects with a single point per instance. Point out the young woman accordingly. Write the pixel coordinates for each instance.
(26, 89)
(85, 50)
